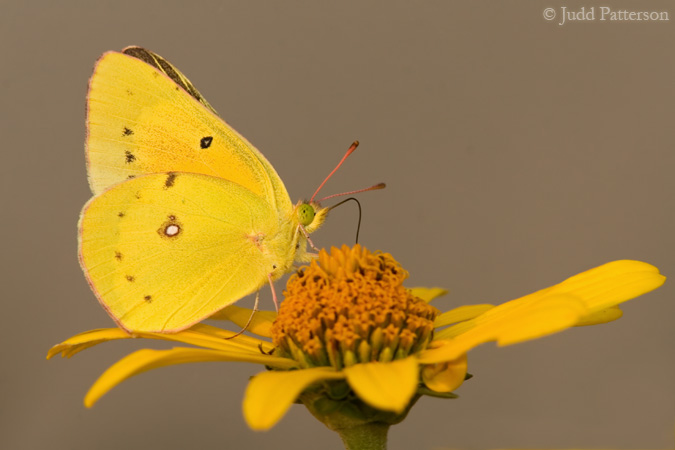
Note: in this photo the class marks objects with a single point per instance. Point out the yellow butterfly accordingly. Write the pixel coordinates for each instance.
(188, 217)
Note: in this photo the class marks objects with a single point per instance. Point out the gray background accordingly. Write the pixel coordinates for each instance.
(517, 152)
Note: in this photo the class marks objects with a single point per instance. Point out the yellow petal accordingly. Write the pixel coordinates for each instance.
(601, 287)
(455, 330)
(445, 376)
(602, 316)
(200, 335)
(87, 339)
(218, 335)
(612, 283)
(428, 294)
(510, 323)
(144, 360)
(386, 386)
(261, 324)
(551, 315)
(270, 394)
(586, 298)
(461, 314)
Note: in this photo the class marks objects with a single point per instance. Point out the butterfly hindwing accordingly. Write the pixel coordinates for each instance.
(164, 251)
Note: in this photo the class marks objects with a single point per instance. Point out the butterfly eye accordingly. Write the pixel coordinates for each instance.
(305, 214)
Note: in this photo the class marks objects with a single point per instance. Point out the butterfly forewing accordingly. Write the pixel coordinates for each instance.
(141, 121)
(169, 70)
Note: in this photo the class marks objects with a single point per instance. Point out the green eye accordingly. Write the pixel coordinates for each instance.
(305, 214)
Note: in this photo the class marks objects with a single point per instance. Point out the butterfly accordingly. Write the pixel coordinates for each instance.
(187, 216)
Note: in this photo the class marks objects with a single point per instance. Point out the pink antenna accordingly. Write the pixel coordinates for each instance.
(371, 188)
(349, 152)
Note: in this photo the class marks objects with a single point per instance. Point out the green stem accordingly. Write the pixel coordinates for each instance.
(369, 436)
(360, 426)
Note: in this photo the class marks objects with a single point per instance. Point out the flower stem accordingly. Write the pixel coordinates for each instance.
(369, 436)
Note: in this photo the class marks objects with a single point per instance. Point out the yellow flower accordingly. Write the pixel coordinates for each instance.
(355, 346)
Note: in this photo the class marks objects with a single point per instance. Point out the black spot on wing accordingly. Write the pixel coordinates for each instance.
(129, 157)
(170, 180)
(120, 214)
(130, 278)
(119, 256)
(205, 142)
(148, 298)
(127, 131)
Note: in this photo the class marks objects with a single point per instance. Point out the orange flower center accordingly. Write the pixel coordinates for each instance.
(349, 307)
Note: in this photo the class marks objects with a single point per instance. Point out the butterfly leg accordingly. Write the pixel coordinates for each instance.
(306, 234)
(274, 293)
(250, 319)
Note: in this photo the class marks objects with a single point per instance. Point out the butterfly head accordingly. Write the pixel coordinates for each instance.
(310, 215)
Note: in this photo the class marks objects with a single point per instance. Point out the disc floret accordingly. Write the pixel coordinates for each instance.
(349, 306)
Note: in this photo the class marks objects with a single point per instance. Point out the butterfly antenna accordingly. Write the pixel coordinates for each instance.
(350, 150)
(358, 226)
(371, 188)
